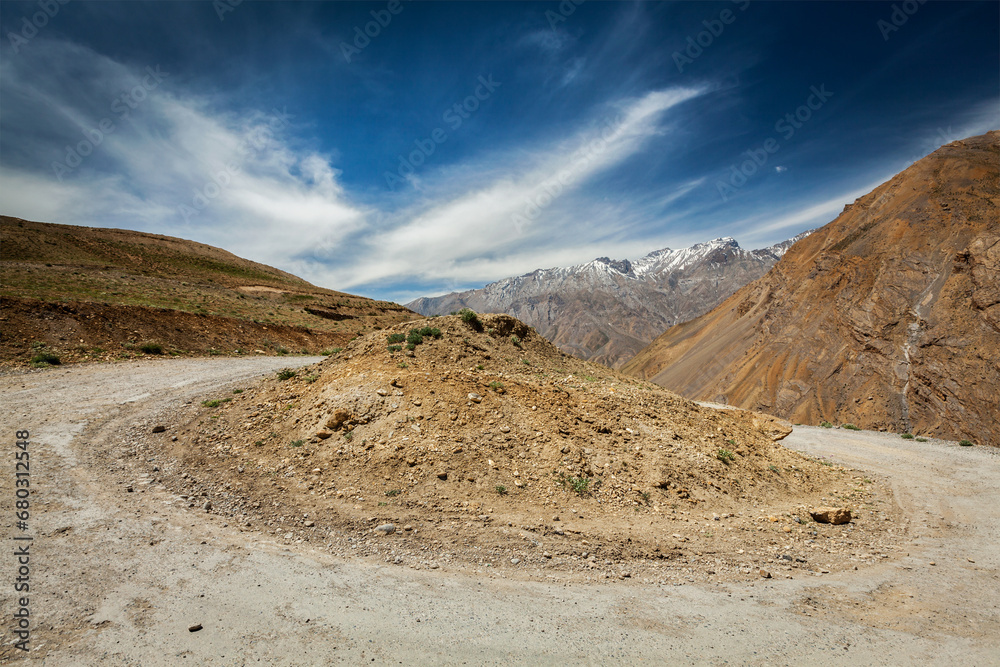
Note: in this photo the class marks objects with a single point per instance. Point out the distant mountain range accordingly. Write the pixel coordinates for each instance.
(608, 310)
(887, 318)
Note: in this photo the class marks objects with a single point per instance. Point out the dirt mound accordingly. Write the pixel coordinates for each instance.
(483, 424)
(887, 318)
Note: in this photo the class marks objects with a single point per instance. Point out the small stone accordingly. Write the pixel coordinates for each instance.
(195, 628)
(834, 515)
(323, 435)
(173, 438)
(786, 529)
(555, 518)
(505, 429)
(386, 529)
(443, 474)
(159, 428)
(546, 554)
(515, 561)
(208, 504)
(396, 383)
(765, 574)
(475, 398)
(309, 524)
(381, 392)
(407, 527)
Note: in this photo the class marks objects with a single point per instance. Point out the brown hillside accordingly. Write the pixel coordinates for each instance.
(481, 435)
(888, 317)
(110, 290)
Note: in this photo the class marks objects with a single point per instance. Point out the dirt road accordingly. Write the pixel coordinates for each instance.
(119, 576)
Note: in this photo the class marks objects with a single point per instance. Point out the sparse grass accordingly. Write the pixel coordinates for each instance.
(237, 391)
(480, 367)
(579, 485)
(645, 496)
(469, 317)
(334, 350)
(826, 424)
(392, 493)
(43, 359)
(907, 436)
(773, 468)
(921, 439)
(282, 350)
(500, 489)
(525, 362)
(402, 364)
(496, 386)
(151, 348)
(349, 436)
(965, 443)
(311, 378)
(731, 442)
(725, 455)
(286, 374)
(850, 427)
(296, 443)
(516, 341)
(215, 402)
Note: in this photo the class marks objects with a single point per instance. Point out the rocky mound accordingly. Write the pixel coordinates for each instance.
(887, 318)
(483, 424)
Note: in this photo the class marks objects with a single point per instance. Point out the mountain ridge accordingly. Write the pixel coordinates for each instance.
(606, 310)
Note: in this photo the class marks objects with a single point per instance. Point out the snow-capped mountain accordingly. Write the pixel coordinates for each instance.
(607, 310)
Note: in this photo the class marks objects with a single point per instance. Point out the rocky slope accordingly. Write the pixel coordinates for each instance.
(607, 310)
(888, 317)
(83, 293)
(484, 440)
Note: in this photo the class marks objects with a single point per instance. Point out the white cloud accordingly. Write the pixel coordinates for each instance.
(781, 169)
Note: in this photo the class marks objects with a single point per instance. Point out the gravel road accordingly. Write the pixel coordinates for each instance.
(119, 577)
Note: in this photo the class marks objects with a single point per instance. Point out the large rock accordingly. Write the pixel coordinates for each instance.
(834, 515)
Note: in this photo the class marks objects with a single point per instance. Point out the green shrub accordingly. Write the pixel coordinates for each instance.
(430, 332)
(907, 436)
(414, 338)
(501, 490)
(826, 424)
(286, 374)
(469, 317)
(396, 338)
(965, 443)
(411, 346)
(921, 439)
(311, 378)
(496, 386)
(297, 443)
(45, 359)
(850, 427)
(282, 350)
(395, 348)
(215, 402)
(516, 341)
(725, 455)
(393, 492)
(773, 468)
(151, 348)
(237, 391)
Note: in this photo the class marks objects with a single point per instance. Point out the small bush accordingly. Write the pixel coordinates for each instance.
(151, 348)
(525, 362)
(297, 443)
(237, 391)
(850, 427)
(907, 436)
(395, 348)
(826, 424)
(731, 442)
(45, 359)
(921, 439)
(286, 374)
(773, 468)
(282, 350)
(496, 386)
(965, 443)
(469, 317)
(480, 367)
(396, 338)
(311, 378)
(725, 455)
(215, 402)
(429, 332)
(392, 493)
(403, 364)
(516, 341)
(349, 436)
(501, 490)
(411, 346)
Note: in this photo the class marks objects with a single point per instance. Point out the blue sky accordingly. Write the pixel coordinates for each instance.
(458, 143)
